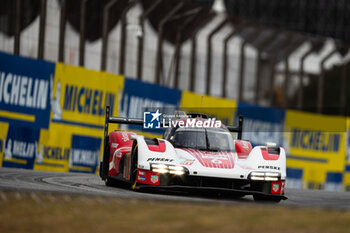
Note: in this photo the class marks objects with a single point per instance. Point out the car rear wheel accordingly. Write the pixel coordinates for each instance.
(110, 182)
(104, 165)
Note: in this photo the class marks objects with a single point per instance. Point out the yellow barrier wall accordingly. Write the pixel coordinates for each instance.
(223, 109)
(316, 145)
(346, 181)
(77, 119)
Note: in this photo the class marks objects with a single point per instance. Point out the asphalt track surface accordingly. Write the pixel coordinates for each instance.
(12, 179)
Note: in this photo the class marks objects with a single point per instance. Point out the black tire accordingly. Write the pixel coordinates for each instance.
(110, 182)
(104, 166)
(133, 167)
(237, 195)
(260, 198)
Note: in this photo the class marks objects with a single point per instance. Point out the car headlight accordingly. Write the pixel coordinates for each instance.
(265, 176)
(176, 170)
(171, 169)
(159, 168)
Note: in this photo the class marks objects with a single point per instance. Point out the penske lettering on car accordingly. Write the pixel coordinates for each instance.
(159, 160)
(269, 167)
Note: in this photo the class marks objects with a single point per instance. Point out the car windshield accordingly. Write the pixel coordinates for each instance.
(203, 139)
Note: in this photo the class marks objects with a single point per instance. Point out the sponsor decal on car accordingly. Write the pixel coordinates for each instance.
(159, 160)
(154, 178)
(187, 162)
(141, 178)
(142, 173)
(125, 136)
(283, 187)
(275, 187)
(269, 167)
(118, 154)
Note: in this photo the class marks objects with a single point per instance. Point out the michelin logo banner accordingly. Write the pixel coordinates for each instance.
(80, 96)
(85, 153)
(25, 91)
(51, 117)
(73, 141)
(21, 147)
(316, 144)
(24, 107)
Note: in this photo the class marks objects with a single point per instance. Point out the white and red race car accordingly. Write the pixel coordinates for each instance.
(200, 159)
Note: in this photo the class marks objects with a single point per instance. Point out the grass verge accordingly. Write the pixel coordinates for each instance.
(40, 212)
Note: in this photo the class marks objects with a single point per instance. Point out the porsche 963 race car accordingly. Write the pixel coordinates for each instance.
(193, 159)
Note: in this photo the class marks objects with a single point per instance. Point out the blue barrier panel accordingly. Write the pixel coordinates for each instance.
(334, 181)
(262, 124)
(139, 97)
(25, 101)
(347, 168)
(294, 178)
(84, 153)
(21, 147)
(25, 88)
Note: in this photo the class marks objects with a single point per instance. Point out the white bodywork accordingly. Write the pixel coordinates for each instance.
(220, 165)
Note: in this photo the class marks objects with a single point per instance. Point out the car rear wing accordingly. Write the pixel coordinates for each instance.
(118, 120)
(237, 129)
(134, 121)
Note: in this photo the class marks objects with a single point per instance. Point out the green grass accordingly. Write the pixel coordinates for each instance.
(91, 214)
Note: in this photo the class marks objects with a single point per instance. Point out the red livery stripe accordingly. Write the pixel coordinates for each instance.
(269, 156)
(212, 159)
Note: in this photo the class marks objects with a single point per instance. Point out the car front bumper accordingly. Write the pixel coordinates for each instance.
(200, 184)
